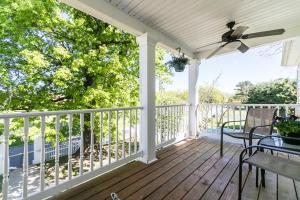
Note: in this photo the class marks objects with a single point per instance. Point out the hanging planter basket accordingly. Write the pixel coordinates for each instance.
(178, 63)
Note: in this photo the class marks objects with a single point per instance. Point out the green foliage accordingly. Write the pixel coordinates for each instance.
(210, 94)
(171, 97)
(242, 90)
(162, 72)
(288, 128)
(281, 91)
(54, 57)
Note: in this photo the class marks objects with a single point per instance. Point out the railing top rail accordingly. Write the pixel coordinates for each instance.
(62, 112)
(174, 105)
(241, 104)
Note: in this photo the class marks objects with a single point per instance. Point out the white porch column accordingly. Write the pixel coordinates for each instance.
(147, 96)
(193, 96)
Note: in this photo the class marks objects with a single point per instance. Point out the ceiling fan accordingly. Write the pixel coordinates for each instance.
(233, 38)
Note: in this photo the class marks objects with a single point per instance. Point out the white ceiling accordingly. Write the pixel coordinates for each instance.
(195, 23)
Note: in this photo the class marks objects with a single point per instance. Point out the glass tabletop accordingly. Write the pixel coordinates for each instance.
(277, 142)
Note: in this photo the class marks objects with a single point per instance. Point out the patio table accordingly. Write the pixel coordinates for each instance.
(282, 166)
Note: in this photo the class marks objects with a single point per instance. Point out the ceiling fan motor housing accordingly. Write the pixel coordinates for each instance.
(227, 37)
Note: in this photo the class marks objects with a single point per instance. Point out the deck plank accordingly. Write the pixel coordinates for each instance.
(135, 181)
(170, 167)
(191, 169)
(188, 183)
(200, 187)
(165, 157)
(216, 189)
(286, 189)
(168, 181)
(231, 190)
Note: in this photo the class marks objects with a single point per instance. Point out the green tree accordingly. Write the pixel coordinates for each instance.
(281, 91)
(211, 94)
(54, 57)
(171, 97)
(242, 90)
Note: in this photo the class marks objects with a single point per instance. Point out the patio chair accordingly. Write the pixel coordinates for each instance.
(258, 123)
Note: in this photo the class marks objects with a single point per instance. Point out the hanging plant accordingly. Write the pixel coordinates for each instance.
(178, 63)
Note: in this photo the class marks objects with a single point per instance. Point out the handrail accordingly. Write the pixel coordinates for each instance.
(241, 104)
(63, 112)
(173, 105)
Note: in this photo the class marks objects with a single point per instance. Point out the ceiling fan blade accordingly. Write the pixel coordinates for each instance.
(264, 33)
(216, 51)
(209, 44)
(243, 48)
(238, 32)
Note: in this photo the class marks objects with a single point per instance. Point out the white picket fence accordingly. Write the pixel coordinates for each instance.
(63, 149)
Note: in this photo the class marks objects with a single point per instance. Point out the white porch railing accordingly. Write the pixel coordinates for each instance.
(210, 116)
(171, 124)
(107, 138)
(113, 140)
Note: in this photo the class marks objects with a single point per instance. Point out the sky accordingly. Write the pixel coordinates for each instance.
(257, 65)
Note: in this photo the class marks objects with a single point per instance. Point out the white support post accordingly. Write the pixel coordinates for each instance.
(147, 97)
(193, 96)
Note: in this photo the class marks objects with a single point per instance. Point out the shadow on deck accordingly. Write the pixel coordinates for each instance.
(190, 169)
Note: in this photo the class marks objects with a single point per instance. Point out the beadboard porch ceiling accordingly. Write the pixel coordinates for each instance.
(191, 24)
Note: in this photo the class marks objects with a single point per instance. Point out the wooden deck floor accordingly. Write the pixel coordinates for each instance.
(191, 169)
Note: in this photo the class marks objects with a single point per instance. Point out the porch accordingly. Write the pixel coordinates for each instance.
(149, 151)
(190, 169)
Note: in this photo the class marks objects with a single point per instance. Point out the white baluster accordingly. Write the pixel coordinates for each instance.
(101, 139)
(25, 158)
(222, 114)
(117, 135)
(171, 121)
(57, 124)
(240, 110)
(81, 143)
(129, 146)
(162, 125)
(6, 160)
(217, 118)
(42, 165)
(135, 132)
(156, 122)
(233, 111)
(123, 144)
(228, 113)
(212, 119)
(109, 137)
(92, 142)
(70, 116)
